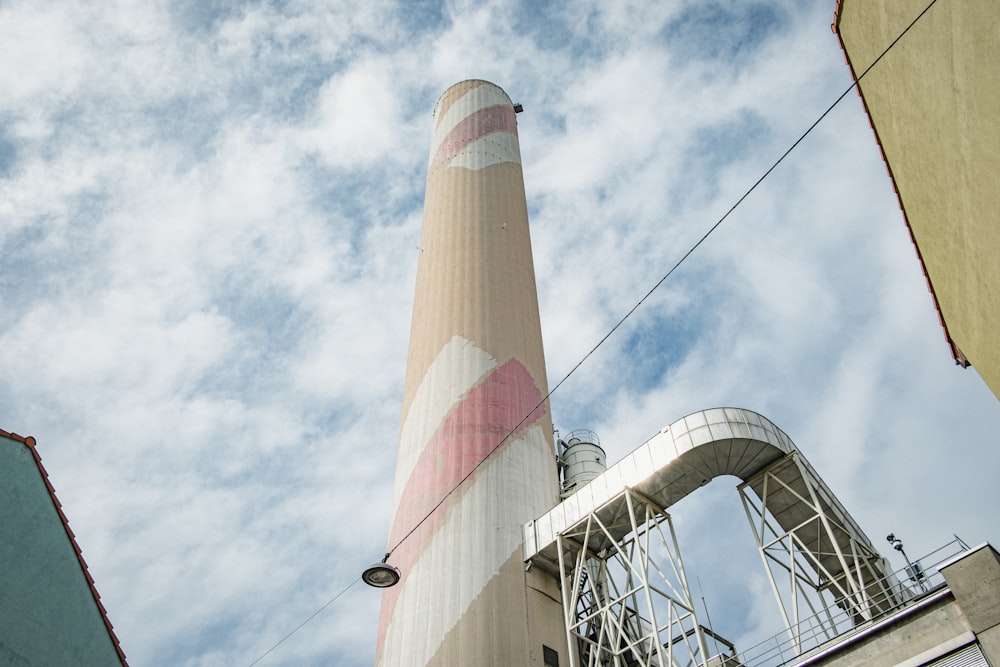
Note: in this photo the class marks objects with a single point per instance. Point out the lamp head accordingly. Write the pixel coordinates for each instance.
(381, 575)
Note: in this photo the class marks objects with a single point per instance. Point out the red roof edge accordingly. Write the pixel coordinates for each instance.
(836, 24)
(956, 353)
(30, 443)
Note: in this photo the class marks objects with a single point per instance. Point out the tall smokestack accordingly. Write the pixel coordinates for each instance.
(475, 371)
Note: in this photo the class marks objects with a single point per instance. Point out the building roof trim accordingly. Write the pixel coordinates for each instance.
(30, 443)
(956, 353)
(963, 554)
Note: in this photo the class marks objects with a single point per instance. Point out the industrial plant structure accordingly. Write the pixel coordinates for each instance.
(475, 459)
(507, 548)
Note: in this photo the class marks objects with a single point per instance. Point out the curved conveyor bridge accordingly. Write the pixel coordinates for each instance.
(820, 563)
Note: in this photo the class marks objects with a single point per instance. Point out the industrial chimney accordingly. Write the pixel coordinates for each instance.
(475, 458)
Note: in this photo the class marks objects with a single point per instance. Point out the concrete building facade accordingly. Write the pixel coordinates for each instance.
(932, 101)
(50, 611)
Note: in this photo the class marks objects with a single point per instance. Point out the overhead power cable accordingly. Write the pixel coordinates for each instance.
(628, 314)
(299, 626)
(669, 273)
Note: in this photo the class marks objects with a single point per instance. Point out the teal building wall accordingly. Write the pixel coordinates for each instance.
(49, 613)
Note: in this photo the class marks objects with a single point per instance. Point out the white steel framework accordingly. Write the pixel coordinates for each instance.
(825, 574)
(627, 600)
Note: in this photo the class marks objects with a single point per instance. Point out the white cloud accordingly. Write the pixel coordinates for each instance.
(358, 118)
(44, 54)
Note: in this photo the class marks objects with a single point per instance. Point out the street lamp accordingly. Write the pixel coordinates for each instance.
(381, 575)
(914, 571)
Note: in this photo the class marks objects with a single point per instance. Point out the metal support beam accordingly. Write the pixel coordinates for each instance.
(626, 599)
(824, 572)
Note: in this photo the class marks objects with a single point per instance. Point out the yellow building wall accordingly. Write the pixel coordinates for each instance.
(934, 102)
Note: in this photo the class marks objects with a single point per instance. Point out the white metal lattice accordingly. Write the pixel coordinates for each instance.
(626, 599)
(823, 570)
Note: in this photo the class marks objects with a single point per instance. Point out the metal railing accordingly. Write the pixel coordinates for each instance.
(907, 586)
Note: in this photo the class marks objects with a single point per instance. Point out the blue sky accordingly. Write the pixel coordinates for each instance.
(209, 218)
